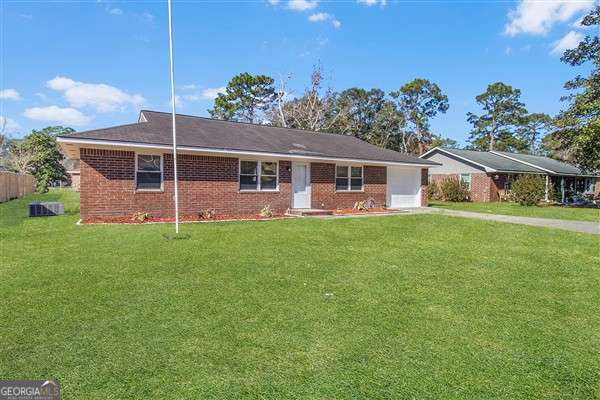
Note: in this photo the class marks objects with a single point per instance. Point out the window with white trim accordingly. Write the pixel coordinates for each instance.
(348, 178)
(148, 173)
(258, 175)
(466, 179)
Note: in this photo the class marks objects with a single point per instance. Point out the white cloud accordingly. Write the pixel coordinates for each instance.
(537, 17)
(273, 2)
(206, 94)
(146, 16)
(322, 17)
(104, 98)
(65, 116)
(9, 94)
(569, 41)
(318, 17)
(302, 5)
(212, 93)
(8, 125)
(370, 3)
(115, 11)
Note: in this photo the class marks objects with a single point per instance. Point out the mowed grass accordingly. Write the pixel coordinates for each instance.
(419, 306)
(504, 208)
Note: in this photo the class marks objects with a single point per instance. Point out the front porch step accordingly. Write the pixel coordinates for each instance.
(309, 212)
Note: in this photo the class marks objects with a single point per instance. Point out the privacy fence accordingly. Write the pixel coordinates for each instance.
(14, 185)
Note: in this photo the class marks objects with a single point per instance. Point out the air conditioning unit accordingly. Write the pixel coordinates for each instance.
(46, 209)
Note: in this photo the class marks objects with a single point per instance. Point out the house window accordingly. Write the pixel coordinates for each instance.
(258, 175)
(148, 173)
(466, 179)
(348, 178)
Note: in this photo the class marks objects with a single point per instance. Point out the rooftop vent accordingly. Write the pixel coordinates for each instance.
(46, 209)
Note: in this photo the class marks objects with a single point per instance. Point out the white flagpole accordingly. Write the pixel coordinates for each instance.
(173, 119)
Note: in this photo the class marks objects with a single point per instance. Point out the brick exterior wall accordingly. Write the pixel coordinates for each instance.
(324, 195)
(108, 187)
(483, 187)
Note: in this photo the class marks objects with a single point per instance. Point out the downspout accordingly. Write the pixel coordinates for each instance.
(546, 193)
(562, 188)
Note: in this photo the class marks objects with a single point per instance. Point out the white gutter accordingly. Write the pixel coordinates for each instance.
(526, 163)
(232, 152)
(487, 169)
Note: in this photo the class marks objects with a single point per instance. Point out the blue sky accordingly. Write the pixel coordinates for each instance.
(96, 64)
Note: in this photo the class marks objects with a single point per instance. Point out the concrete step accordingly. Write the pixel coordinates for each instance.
(309, 212)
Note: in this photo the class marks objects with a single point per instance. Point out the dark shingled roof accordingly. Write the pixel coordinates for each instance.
(556, 166)
(494, 161)
(235, 136)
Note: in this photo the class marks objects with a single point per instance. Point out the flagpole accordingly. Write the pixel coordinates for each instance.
(173, 119)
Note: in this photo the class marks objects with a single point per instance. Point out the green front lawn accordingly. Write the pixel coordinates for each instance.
(421, 306)
(556, 212)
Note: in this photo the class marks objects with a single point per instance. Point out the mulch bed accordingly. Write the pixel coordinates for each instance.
(182, 218)
(346, 211)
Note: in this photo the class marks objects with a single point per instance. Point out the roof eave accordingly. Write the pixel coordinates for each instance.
(485, 167)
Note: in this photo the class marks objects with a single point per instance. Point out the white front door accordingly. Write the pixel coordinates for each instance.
(403, 187)
(300, 185)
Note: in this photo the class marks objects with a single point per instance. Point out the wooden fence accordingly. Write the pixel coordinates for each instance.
(13, 185)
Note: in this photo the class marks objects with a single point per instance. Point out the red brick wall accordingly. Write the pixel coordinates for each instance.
(324, 195)
(108, 187)
(483, 188)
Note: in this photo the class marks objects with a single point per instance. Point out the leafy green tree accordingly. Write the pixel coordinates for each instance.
(419, 101)
(246, 99)
(45, 164)
(440, 141)
(578, 127)
(532, 128)
(496, 127)
(361, 108)
(388, 130)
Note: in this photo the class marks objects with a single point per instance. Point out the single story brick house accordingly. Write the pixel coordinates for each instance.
(489, 174)
(234, 168)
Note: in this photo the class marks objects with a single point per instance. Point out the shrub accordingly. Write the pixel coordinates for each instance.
(528, 190)
(266, 211)
(141, 216)
(453, 189)
(208, 213)
(364, 205)
(433, 192)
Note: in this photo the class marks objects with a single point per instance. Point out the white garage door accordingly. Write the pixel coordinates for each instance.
(403, 187)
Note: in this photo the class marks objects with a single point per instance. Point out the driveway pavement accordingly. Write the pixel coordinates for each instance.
(575, 226)
(567, 225)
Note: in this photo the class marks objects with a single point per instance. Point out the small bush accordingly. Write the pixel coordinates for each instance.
(433, 192)
(364, 205)
(141, 216)
(528, 190)
(208, 213)
(453, 189)
(266, 211)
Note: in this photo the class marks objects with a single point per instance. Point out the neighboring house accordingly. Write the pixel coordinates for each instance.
(489, 174)
(234, 168)
(72, 167)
